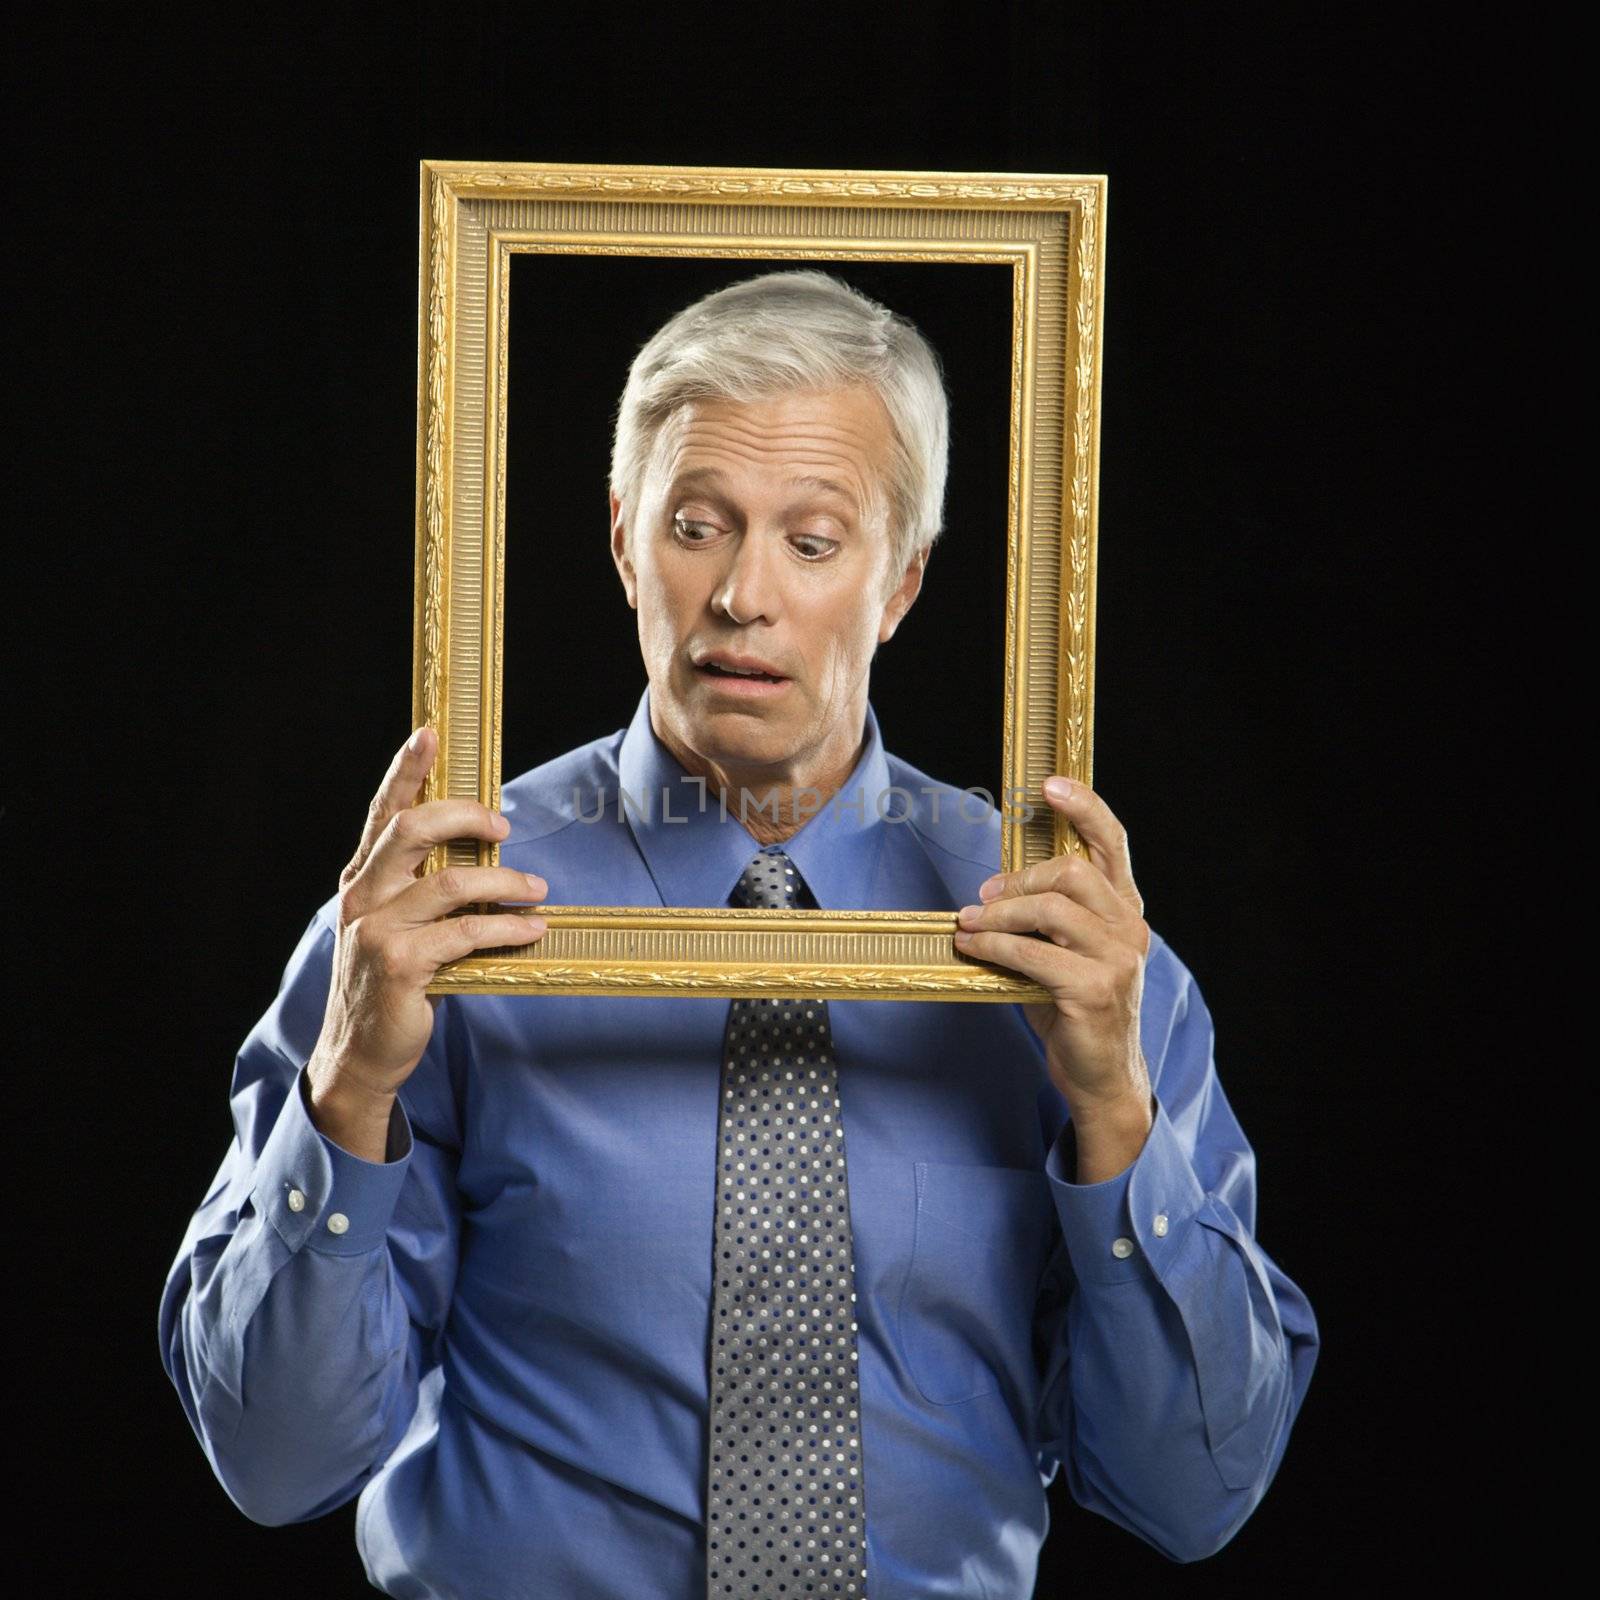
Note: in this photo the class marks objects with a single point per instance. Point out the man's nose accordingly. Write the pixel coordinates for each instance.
(751, 588)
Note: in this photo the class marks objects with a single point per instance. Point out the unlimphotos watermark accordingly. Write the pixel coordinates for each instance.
(892, 804)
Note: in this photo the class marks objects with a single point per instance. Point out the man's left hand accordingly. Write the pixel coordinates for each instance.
(1091, 958)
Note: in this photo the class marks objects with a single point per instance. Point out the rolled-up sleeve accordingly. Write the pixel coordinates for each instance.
(1176, 1352)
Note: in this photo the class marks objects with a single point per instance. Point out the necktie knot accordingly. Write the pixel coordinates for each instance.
(770, 882)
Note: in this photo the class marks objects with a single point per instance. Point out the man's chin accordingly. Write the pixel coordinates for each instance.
(738, 736)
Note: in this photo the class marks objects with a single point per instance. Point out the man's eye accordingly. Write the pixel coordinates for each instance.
(693, 532)
(821, 548)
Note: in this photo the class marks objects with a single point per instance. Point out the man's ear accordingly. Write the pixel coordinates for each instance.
(619, 554)
(900, 601)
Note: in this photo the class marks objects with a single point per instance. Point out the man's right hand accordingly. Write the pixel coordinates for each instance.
(393, 933)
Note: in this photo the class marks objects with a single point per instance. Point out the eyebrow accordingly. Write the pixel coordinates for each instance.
(713, 475)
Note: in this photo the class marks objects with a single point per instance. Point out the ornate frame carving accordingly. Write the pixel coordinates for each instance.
(1051, 230)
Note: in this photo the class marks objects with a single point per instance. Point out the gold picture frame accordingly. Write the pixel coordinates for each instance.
(1050, 229)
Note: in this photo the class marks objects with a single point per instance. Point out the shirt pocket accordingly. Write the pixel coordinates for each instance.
(979, 1248)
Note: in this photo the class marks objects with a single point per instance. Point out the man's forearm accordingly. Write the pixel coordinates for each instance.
(295, 1397)
(1183, 1352)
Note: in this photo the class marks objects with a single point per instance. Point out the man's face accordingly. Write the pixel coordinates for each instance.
(761, 536)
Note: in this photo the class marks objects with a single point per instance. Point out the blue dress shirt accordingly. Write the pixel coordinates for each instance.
(499, 1336)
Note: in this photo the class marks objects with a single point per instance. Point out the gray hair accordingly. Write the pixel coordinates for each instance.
(796, 330)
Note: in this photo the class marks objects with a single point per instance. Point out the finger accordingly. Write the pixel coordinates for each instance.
(1061, 920)
(454, 937)
(1097, 825)
(409, 835)
(400, 787)
(1077, 877)
(427, 899)
(1047, 963)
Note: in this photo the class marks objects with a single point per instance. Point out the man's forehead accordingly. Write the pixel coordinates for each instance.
(692, 477)
(834, 444)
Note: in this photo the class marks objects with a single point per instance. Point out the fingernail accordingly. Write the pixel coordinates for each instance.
(990, 887)
(1058, 788)
(970, 913)
(963, 936)
(500, 824)
(535, 882)
(414, 743)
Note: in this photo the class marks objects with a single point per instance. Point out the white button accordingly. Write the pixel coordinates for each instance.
(297, 1201)
(1161, 1224)
(1122, 1248)
(338, 1222)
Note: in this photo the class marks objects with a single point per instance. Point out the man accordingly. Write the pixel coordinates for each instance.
(579, 1314)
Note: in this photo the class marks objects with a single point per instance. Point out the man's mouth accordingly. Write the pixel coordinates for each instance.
(715, 669)
(733, 678)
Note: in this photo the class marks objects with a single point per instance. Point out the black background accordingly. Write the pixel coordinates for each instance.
(213, 344)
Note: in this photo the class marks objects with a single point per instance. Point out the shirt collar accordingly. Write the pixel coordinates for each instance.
(695, 853)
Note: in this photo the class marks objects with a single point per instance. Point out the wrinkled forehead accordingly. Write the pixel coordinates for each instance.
(833, 445)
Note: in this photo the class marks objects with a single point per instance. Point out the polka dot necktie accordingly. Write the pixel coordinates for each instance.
(786, 1507)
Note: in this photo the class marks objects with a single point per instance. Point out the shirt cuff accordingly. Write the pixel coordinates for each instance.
(316, 1193)
(1132, 1225)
